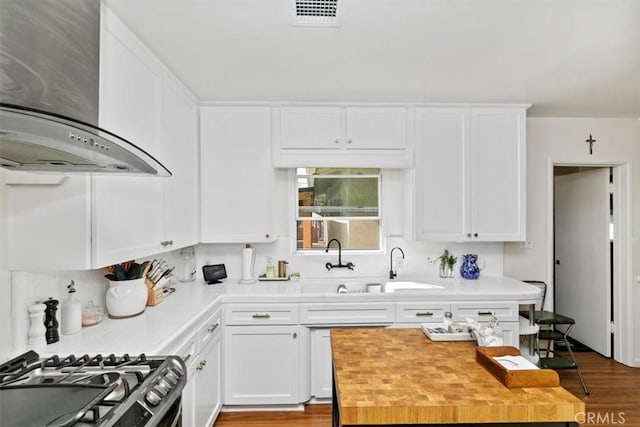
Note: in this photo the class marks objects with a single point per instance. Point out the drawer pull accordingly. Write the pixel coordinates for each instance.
(485, 313)
(213, 327)
(261, 316)
(200, 366)
(185, 358)
(424, 313)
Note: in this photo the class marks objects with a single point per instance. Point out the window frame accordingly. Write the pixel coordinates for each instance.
(293, 219)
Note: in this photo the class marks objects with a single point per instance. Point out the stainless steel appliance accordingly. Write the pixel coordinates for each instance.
(49, 93)
(94, 390)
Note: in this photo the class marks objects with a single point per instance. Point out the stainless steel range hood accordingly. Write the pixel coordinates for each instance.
(49, 79)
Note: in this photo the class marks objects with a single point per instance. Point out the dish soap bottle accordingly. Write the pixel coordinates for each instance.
(71, 312)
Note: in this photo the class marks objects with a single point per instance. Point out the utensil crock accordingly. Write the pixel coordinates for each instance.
(126, 298)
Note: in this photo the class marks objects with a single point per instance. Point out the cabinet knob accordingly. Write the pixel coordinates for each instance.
(469, 235)
(295, 335)
(475, 234)
(266, 236)
(200, 366)
(349, 142)
(213, 327)
(337, 141)
(185, 358)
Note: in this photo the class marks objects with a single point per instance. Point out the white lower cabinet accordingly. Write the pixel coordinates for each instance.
(208, 398)
(261, 365)
(202, 353)
(321, 364)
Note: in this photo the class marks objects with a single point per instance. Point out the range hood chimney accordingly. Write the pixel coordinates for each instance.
(49, 80)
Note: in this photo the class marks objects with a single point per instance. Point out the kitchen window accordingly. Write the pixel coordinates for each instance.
(337, 203)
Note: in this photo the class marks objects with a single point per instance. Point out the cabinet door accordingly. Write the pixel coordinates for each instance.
(236, 177)
(208, 383)
(128, 211)
(321, 363)
(498, 171)
(441, 178)
(318, 128)
(261, 365)
(180, 126)
(376, 128)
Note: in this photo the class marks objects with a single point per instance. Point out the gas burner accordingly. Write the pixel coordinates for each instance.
(89, 390)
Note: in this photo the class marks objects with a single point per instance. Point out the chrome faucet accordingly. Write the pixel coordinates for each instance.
(329, 266)
(392, 273)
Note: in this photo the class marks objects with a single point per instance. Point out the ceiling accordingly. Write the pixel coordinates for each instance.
(568, 58)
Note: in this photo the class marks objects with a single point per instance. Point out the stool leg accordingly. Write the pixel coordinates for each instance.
(573, 358)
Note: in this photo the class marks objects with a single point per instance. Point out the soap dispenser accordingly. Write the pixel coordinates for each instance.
(71, 312)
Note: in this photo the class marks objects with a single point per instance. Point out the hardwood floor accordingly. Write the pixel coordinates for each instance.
(614, 399)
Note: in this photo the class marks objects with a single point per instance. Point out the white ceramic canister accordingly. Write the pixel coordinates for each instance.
(126, 298)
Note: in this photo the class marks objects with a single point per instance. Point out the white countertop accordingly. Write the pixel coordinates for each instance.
(163, 326)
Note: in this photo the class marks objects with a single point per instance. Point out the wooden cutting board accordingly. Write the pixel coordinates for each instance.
(399, 376)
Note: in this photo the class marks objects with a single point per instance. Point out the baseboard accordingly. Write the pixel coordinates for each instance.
(262, 408)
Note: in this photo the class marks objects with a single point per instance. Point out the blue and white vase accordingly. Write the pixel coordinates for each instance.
(469, 269)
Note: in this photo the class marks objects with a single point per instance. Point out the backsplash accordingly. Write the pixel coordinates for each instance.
(29, 287)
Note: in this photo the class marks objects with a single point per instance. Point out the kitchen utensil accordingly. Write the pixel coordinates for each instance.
(134, 271)
(121, 274)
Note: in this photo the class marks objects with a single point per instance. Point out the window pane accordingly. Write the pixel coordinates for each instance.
(352, 234)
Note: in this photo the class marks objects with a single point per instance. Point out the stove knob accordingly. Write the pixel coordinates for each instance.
(153, 398)
(172, 378)
(166, 385)
(161, 389)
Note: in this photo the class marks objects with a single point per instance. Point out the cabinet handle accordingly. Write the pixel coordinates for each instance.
(200, 366)
(475, 234)
(295, 335)
(485, 313)
(261, 316)
(424, 313)
(185, 358)
(349, 142)
(213, 327)
(469, 235)
(266, 236)
(166, 242)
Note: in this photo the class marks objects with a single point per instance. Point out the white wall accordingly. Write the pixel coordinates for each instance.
(556, 140)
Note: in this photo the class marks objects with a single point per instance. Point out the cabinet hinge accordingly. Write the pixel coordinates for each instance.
(612, 327)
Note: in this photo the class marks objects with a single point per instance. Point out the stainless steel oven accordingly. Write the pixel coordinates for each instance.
(97, 390)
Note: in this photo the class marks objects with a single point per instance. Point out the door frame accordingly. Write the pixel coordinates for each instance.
(622, 268)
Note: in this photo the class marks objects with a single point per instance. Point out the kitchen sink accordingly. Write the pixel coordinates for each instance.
(410, 286)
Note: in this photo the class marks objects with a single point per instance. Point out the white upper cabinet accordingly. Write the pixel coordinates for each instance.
(181, 191)
(129, 211)
(237, 180)
(470, 174)
(341, 136)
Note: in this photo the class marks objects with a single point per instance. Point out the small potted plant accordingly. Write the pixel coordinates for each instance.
(447, 261)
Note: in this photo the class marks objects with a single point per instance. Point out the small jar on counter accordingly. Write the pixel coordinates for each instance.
(92, 314)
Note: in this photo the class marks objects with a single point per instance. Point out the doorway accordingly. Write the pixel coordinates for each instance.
(590, 254)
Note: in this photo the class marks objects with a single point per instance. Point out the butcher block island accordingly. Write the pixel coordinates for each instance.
(400, 377)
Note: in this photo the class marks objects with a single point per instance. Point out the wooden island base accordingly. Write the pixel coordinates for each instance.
(398, 377)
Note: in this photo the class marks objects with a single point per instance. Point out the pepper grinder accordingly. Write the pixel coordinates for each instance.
(50, 321)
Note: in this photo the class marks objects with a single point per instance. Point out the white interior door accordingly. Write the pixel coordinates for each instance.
(582, 252)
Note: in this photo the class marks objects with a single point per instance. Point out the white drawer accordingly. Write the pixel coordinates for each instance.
(421, 312)
(346, 313)
(261, 314)
(481, 311)
(209, 329)
(187, 351)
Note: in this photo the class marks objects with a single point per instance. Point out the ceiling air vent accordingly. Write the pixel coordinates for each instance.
(316, 12)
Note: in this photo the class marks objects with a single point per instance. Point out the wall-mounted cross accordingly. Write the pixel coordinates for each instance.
(590, 141)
